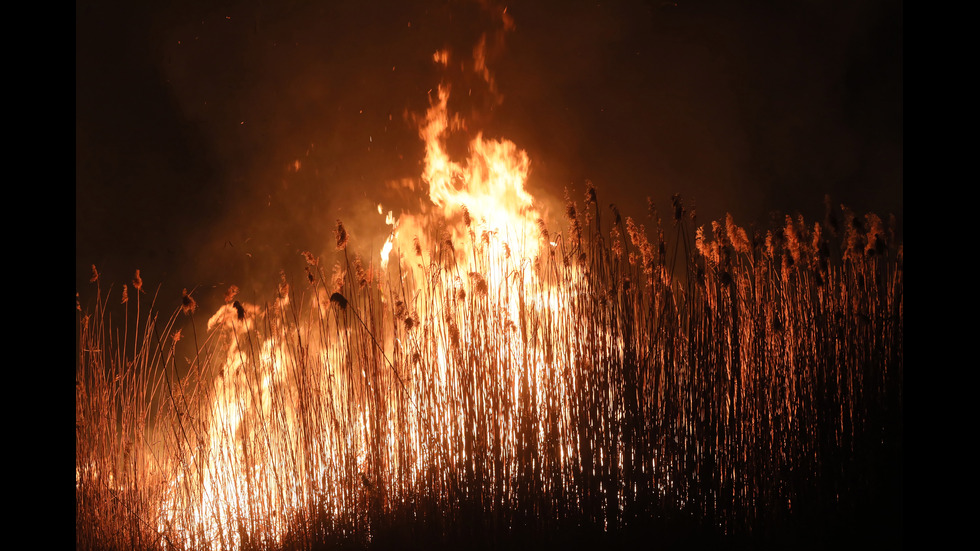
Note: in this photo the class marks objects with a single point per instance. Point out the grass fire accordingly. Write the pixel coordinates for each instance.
(497, 376)
(473, 393)
(588, 388)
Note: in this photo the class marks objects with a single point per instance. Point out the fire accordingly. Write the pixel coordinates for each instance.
(481, 200)
(481, 234)
(492, 373)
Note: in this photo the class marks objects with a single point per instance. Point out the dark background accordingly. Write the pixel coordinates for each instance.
(191, 117)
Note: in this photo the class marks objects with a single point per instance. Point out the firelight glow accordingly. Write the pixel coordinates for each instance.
(477, 245)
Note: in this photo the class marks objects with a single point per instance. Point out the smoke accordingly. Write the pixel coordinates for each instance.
(214, 144)
(313, 113)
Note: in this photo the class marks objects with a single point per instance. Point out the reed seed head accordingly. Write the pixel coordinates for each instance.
(187, 303)
(678, 207)
(617, 220)
(339, 300)
(341, 235)
(231, 293)
(737, 236)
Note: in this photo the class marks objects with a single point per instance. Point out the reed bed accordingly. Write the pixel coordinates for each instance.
(621, 383)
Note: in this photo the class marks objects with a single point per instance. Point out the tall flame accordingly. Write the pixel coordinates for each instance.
(482, 196)
(482, 228)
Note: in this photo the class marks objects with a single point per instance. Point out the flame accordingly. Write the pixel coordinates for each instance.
(483, 369)
(255, 470)
(481, 199)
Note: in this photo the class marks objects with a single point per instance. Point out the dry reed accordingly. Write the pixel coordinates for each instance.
(600, 390)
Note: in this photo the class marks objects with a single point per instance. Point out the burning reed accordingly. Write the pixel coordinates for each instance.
(615, 384)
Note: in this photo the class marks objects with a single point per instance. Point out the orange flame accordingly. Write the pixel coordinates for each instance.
(484, 226)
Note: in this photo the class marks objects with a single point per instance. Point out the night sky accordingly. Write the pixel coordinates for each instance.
(190, 119)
